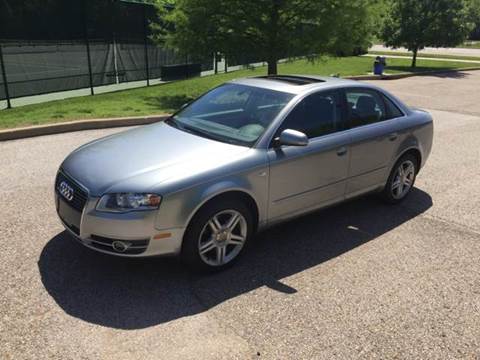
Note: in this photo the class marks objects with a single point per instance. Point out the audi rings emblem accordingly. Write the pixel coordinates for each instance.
(66, 191)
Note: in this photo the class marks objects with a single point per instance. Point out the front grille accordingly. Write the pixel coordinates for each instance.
(80, 196)
(106, 244)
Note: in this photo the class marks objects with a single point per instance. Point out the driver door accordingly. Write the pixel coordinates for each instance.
(309, 177)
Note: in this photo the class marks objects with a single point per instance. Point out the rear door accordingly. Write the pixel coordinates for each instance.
(374, 138)
(304, 178)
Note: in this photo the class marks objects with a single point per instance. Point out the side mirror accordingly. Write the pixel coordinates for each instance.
(292, 138)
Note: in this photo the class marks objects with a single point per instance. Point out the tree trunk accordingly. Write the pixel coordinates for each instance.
(414, 59)
(272, 67)
(273, 42)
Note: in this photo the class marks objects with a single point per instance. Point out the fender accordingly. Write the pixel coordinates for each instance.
(182, 206)
(411, 143)
(219, 189)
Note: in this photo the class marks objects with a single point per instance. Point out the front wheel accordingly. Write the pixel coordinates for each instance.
(401, 179)
(217, 235)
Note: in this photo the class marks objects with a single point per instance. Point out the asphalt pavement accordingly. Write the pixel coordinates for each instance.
(359, 280)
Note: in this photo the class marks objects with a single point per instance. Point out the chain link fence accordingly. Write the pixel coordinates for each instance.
(83, 44)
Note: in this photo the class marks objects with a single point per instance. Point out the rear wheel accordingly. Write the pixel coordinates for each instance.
(401, 179)
(217, 235)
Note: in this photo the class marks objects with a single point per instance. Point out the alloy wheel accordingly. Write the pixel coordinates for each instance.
(403, 179)
(222, 237)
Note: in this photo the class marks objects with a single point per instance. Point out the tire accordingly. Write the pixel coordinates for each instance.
(399, 186)
(207, 239)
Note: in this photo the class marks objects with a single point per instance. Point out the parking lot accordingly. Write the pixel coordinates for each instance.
(359, 280)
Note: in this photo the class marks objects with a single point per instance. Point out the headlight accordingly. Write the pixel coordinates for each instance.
(124, 202)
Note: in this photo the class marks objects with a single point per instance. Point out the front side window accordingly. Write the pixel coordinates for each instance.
(365, 107)
(316, 115)
(232, 113)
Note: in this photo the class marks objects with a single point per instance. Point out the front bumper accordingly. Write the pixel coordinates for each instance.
(130, 234)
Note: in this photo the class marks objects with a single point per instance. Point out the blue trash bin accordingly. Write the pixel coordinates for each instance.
(378, 68)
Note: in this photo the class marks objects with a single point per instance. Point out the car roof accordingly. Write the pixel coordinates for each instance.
(294, 84)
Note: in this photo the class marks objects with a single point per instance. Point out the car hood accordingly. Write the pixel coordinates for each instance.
(137, 160)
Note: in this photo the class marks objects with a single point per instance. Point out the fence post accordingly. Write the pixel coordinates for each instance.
(87, 43)
(4, 74)
(145, 25)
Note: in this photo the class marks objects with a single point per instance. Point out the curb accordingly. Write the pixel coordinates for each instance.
(49, 129)
(407, 75)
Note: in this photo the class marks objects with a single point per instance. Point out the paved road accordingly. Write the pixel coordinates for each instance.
(361, 280)
(434, 51)
(425, 57)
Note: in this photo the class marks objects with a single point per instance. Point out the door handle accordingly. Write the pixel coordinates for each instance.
(342, 151)
(393, 137)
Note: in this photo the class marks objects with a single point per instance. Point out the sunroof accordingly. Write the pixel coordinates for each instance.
(292, 79)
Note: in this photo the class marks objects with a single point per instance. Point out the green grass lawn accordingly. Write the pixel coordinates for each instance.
(168, 97)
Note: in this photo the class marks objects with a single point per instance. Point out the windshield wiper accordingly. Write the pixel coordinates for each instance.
(172, 122)
(196, 131)
(192, 130)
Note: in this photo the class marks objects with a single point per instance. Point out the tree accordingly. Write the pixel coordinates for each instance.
(475, 14)
(415, 24)
(265, 30)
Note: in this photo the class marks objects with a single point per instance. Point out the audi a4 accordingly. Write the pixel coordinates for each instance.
(244, 156)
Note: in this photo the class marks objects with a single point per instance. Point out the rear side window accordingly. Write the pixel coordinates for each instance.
(316, 115)
(392, 110)
(365, 107)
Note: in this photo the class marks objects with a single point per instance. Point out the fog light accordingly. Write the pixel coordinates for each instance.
(120, 246)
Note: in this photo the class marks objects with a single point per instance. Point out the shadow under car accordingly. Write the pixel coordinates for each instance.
(137, 293)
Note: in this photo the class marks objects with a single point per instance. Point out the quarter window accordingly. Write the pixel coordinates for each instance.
(392, 110)
(365, 107)
(318, 114)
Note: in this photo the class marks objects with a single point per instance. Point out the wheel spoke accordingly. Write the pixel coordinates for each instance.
(396, 184)
(215, 224)
(400, 189)
(410, 169)
(233, 221)
(408, 182)
(221, 254)
(208, 246)
(401, 171)
(236, 239)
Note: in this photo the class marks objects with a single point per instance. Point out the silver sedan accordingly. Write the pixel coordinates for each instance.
(244, 156)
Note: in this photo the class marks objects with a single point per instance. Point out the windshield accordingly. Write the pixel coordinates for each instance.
(236, 114)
